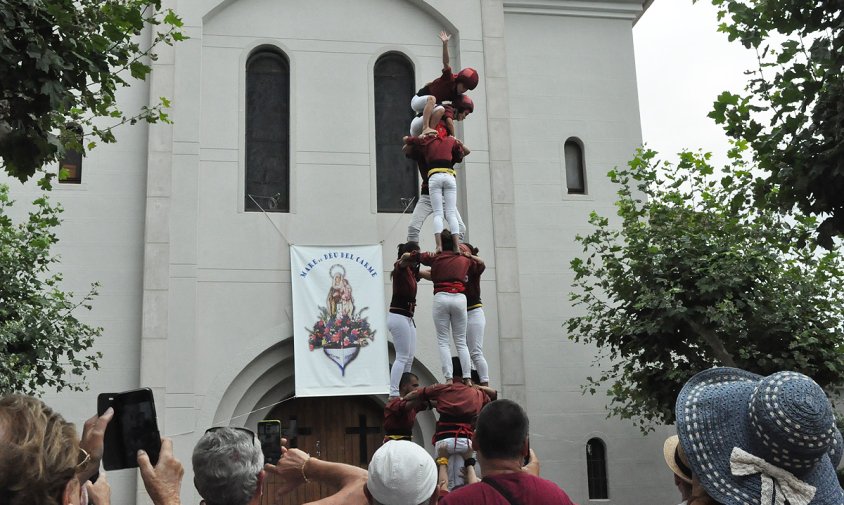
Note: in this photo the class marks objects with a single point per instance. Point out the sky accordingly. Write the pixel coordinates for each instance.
(683, 63)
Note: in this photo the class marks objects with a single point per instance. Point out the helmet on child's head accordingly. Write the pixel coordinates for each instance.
(464, 104)
(468, 77)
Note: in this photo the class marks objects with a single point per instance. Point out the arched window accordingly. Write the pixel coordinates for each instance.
(267, 131)
(395, 174)
(596, 469)
(70, 165)
(575, 174)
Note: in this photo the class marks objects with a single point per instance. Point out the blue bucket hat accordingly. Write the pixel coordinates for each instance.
(750, 439)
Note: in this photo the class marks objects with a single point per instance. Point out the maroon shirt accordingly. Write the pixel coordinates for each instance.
(450, 271)
(455, 400)
(444, 88)
(438, 152)
(473, 288)
(526, 489)
(404, 290)
(399, 416)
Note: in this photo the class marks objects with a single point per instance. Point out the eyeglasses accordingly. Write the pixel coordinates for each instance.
(84, 458)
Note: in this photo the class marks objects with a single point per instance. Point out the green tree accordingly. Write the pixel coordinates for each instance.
(695, 276)
(42, 343)
(61, 64)
(791, 113)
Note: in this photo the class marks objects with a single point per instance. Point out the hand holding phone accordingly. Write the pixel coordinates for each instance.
(269, 434)
(133, 428)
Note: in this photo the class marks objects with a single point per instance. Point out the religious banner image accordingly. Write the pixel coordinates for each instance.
(340, 321)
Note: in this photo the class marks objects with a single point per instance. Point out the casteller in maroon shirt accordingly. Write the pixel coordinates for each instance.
(524, 488)
(450, 271)
(438, 152)
(443, 88)
(399, 416)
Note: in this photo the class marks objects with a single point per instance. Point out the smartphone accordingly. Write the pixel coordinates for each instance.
(527, 458)
(269, 433)
(133, 427)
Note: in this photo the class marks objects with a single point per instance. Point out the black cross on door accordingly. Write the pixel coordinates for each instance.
(362, 430)
(292, 432)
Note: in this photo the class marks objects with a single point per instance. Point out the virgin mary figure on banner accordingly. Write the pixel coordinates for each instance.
(344, 329)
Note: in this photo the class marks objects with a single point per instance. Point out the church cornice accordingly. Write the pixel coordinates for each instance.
(621, 9)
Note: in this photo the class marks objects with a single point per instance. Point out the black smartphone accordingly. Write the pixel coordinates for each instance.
(527, 458)
(269, 434)
(133, 427)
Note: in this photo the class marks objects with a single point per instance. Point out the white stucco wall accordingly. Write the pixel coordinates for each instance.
(571, 74)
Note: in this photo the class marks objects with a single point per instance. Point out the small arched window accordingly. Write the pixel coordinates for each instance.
(596, 469)
(267, 131)
(395, 174)
(70, 165)
(575, 172)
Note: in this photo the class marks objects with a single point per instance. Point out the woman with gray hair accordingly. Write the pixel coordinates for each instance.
(228, 467)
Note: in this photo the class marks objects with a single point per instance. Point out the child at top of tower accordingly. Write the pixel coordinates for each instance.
(444, 116)
(445, 88)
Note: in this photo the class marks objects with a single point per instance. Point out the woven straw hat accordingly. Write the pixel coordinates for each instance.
(740, 430)
(675, 458)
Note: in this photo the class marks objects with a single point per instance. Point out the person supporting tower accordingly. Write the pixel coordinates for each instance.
(449, 272)
(400, 414)
(458, 405)
(402, 306)
(440, 155)
(457, 112)
(444, 88)
(475, 318)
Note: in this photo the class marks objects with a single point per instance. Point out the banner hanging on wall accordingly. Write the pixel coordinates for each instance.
(340, 321)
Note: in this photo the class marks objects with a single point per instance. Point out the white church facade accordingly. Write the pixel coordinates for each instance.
(196, 299)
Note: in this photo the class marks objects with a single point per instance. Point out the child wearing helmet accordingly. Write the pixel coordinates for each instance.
(445, 88)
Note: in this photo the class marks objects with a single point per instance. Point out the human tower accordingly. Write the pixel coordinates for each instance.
(455, 271)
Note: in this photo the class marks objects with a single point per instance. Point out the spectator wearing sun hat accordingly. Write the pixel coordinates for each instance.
(676, 460)
(751, 439)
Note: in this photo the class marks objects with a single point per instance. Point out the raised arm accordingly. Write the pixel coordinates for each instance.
(444, 38)
(297, 467)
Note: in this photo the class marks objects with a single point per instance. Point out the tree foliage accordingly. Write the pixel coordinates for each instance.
(792, 111)
(61, 64)
(695, 276)
(42, 343)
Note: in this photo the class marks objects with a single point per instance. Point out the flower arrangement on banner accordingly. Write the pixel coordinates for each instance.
(338, 332)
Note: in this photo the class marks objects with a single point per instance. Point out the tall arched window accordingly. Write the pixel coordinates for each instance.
(267, 131)
(575, 174)
(596, 469)
(396, 175)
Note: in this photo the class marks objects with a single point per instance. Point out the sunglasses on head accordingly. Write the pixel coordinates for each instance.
(236, 428)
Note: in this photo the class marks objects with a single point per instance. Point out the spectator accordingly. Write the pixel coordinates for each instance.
(400, 473)
(501, 443)
(676, 460)
(754, 439)
(228, 467)
(42, 460)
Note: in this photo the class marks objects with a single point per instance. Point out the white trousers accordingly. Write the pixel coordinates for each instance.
(456, 448)
(404, 340)
(421, 212)
(417, 103)
(449, 311)
(443, 189)
(475, 325)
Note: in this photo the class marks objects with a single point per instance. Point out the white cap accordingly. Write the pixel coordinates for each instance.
(401, 473)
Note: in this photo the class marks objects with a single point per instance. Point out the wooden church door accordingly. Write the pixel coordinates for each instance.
(345, 429)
